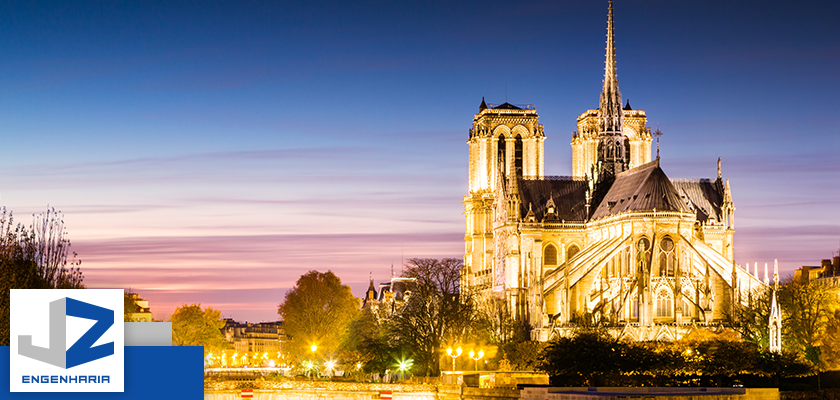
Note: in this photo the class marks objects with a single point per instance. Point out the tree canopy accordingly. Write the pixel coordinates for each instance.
(316, 311)
(192, 326)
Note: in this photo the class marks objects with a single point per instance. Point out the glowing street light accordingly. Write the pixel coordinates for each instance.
(476, 357)
(404, 365)
(454, 354)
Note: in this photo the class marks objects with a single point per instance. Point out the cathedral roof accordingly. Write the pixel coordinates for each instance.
(568, 195)
(644, 188)
(703, 195)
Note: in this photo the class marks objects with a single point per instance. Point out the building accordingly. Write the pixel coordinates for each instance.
(255, 343)
(392, 294)
(828, 272)
(618, 241)
(144, 313)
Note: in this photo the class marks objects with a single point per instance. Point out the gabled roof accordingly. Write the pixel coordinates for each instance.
(568, 194)
(643, 188)
(508, 106)
(704, 196)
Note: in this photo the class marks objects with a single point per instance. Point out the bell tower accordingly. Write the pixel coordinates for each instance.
(506, 143)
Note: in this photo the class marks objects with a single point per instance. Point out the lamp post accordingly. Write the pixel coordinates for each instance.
(454, 354)
(476, 357)
(312, 364)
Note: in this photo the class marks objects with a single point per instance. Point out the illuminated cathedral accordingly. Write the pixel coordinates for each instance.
(618, 242)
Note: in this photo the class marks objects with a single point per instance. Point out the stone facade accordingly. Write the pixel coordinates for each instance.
(618, 241)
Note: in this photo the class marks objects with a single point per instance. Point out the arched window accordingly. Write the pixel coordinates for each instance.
(667, 257)
(571, 252)
(643, 255)
(501, 158)
(550, 256)
(664, 304)
(517, 155)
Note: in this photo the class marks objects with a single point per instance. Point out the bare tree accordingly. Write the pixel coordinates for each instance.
(437, 311)
(34, 257)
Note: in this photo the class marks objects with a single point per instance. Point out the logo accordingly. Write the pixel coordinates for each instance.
(66, 340)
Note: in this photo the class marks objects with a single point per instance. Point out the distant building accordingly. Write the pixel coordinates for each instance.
(828, 271)
(256, 340)
(144, 313)
(392, 294)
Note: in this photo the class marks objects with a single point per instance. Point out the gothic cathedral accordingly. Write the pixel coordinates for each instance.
(617, 242)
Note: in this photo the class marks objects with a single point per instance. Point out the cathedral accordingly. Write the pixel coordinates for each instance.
(618, 242)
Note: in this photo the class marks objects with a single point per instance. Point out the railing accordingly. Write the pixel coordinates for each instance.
(553, 178)
(522, 106)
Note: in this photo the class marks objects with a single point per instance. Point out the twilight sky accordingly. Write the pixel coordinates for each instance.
(212, 152)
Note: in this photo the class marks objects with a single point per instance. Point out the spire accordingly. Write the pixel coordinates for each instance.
(610, 106)
(719, 175)
(766, 278)
(612, 147)
(483, 105)
(776, 274)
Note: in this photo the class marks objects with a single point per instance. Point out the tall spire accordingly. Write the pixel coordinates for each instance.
(612, 147)
(610, 106)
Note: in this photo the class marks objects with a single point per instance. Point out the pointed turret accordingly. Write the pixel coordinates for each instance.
(483, 105)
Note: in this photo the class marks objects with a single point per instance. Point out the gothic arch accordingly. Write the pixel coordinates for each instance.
(572, 251)
(550, 255)
(521, 130)
(501, 130)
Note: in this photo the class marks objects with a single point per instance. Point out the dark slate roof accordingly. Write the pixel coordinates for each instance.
(568, 194)
(643, 188)
(705, 196)
(508, 106)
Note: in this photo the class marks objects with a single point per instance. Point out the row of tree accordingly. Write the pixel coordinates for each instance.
(810, 320)
(702, 358)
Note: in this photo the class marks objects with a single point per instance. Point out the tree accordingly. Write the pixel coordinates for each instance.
(129, 307)
(806, 308)
(437, 311)
(830, 355)
(754, 317)
(368, 341)
(34, 257)
(316, 311)
(192, 326)
(583, 358)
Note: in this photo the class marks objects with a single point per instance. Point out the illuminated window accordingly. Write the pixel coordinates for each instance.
(571, 252)
(664, 304)
(550, 255)
(667, 257)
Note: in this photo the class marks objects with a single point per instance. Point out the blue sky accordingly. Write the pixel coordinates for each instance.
(213, 152)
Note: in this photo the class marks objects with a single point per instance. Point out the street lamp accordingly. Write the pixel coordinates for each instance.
(312, 363)
(454, 354)
(476, 357)
(404, 365)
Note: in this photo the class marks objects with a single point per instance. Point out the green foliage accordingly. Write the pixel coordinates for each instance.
(192, 326)
(317, 310)
(523, 355)
(129, 307)
(34, 257)
(806, 309)
(591, 358)
(585, 356)
(368, 342)
(830, 357)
